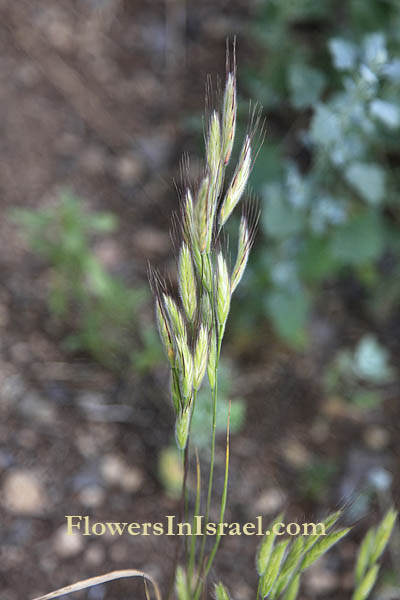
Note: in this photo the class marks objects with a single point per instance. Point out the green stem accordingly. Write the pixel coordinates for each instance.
(193, 540)
(221, 516)
(212, 462)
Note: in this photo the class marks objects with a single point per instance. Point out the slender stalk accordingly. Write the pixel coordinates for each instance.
(180, 518)
(193, 537)
(222, 511)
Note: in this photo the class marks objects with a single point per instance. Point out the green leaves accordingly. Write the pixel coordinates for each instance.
(360, 240)
(368, 180)
(305, 85)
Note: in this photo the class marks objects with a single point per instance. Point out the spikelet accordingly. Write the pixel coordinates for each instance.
(180, 584)
(214, 146)
(182, 425)
(223, 291)
(200, 357)
(188, 219)
(274, 565)
(206, 311)
(165, 332)
(185, 367)
(175, 316)
(187, 282)
(201, 213)
(238, 183)
(220, 592)
(244, 246)
(228, 118)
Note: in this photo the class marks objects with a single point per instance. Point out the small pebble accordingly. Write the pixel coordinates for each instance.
(23, 494)
(65, 544)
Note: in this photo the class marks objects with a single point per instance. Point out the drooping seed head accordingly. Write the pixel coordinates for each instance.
(212, 360)
(165, 332)
(228, 118)
(223, 290)
(200, 357)
(175, 316)
(185, 367)
(238, 183)
(187, 282)
(244, 246)
(182, 425)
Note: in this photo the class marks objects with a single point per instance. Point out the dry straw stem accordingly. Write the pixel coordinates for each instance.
(89, 583)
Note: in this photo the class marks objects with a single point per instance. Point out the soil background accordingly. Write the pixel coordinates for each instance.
(96, 97)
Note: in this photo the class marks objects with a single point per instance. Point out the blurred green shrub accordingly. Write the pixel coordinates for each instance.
(359, 376)
(102, 311)
(329, 79)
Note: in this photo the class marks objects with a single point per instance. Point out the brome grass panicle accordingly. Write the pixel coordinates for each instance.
(191, 332)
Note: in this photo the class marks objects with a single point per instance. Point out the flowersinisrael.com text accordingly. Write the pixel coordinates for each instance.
(169, 526)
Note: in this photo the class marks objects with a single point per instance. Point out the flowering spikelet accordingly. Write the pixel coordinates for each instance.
(165, 332)
(202, 214)
(185, 366)
(187, 282)
(238, 183)
(200, 357)
(223, 291)
(244, 246)
(206, 311)
(188, 219)
(228, 118)
(175, 317)
(182, 427)
(214, 145)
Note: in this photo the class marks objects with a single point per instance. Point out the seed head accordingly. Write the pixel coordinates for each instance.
(223, 291)
(187, 282)
(200, 357)
(238, 183)
(228, 118)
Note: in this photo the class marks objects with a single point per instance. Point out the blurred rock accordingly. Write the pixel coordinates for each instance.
(129, 168)
(151, 241)
(295, 453)
(92, 496)
(319, 580)
(95, 554)
(269, 502)
(116, 472)
(67, 545)
(23, 494)
(36, 408)
(93, 160)
(376, 438)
